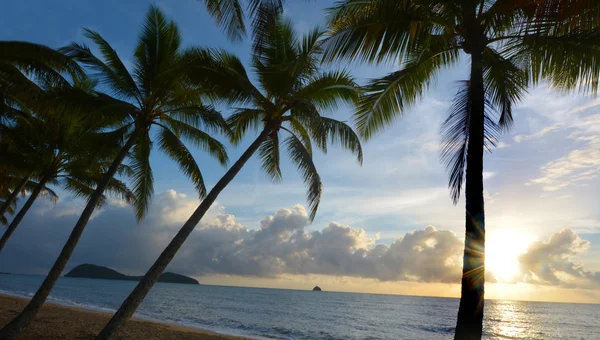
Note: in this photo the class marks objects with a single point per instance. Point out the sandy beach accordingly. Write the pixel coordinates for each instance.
(61, 322)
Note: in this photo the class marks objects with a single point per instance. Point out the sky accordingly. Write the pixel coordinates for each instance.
(388, 226)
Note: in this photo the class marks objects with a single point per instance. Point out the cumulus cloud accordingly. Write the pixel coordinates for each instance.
(220, 245)
(551, 261)
(284, 244)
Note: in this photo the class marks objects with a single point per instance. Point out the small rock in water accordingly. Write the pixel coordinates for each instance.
(317, 288)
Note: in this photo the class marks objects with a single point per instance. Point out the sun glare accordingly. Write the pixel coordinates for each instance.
(503, 248)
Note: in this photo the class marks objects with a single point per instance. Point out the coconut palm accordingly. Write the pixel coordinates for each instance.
(154, 95)
(510, 44)
(69, 150)
(287, 101)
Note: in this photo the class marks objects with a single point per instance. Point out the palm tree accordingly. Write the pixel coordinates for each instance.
(21, 64)
(511, 44)
(70, 150)
(289, 98)
(156, 94)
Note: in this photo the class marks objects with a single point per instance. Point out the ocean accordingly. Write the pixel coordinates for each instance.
(293, 314)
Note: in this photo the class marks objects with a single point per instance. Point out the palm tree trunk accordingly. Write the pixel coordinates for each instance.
(15, 222)
(470, 313)
(13, 195)
(13, 329)
(136, 297)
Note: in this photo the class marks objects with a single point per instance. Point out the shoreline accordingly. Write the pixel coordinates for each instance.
(56, 321)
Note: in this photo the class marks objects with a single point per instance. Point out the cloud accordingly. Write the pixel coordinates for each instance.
(283, 245)
(582, 164)
(570, 117)
(551, 262)
(546, 130)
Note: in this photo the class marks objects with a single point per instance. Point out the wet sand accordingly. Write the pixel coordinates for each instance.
(61, 322)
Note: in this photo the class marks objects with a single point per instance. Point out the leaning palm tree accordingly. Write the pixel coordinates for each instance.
(156, 94)
(510, 44)
(289, 99)
(69, 150)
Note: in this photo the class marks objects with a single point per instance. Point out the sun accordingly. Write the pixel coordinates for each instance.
(503, 248)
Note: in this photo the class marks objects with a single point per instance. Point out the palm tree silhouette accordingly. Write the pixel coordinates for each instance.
(511, 45)
(288, 100)
(156, 94)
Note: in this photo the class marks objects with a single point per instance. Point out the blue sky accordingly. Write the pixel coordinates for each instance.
(542, 178)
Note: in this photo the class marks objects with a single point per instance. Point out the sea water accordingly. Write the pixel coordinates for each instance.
(293, 314)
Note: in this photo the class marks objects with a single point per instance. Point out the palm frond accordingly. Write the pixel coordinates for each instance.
(49, 194)
(269, 156)
(505, 84)
(303, 160)
(264, 14)
(228, 15)
(118, 188)
(157, 55)
(222, 75)
(170, 144)
(241, 121)
(386, 98)
(102, 72)
(143, 180)
(299, 130)
(81, 188)
(40, 60)
(342, 134)
(114, 63)
(199, 138)
(455, 138)
(383, 30)
(327, 90)
(569, 61)
(455, 133)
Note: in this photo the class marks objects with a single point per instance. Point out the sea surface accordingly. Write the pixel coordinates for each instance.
(293, 314)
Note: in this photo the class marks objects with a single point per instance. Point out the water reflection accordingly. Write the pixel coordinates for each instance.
(537, 320)
(508, 319)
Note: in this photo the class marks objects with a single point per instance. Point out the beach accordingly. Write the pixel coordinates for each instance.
(62, 322)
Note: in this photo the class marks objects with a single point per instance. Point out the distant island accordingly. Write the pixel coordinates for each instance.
(92, 271)
(317, 289)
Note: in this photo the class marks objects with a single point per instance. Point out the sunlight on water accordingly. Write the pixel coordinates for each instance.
(540, 320)
(508, 319)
